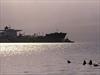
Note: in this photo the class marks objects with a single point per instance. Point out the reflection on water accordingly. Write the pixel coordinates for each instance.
(20, 48)
(48, 59)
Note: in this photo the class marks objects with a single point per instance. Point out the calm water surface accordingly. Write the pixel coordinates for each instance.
(48, 58)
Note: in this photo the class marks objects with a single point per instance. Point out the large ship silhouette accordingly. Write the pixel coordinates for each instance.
(13, 35)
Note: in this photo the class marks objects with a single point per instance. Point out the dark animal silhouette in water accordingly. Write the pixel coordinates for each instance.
(95, 65)
(84, 62)
(68, 61)
(90, 62)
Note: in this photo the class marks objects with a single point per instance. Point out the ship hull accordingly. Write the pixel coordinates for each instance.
(48, 38)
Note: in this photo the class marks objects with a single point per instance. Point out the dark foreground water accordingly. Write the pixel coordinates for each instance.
(48, 59)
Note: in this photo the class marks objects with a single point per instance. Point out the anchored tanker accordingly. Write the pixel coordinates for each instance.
(11, 35)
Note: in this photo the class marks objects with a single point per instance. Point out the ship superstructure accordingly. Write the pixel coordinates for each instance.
(8, 34)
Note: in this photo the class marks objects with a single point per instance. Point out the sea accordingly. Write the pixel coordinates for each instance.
(49, 58)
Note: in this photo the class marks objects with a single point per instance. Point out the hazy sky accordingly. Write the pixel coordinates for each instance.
(80, 18)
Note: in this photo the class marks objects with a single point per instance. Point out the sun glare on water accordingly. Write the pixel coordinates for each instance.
(8, 49)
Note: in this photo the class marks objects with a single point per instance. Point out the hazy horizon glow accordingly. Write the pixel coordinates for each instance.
(80, 18)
